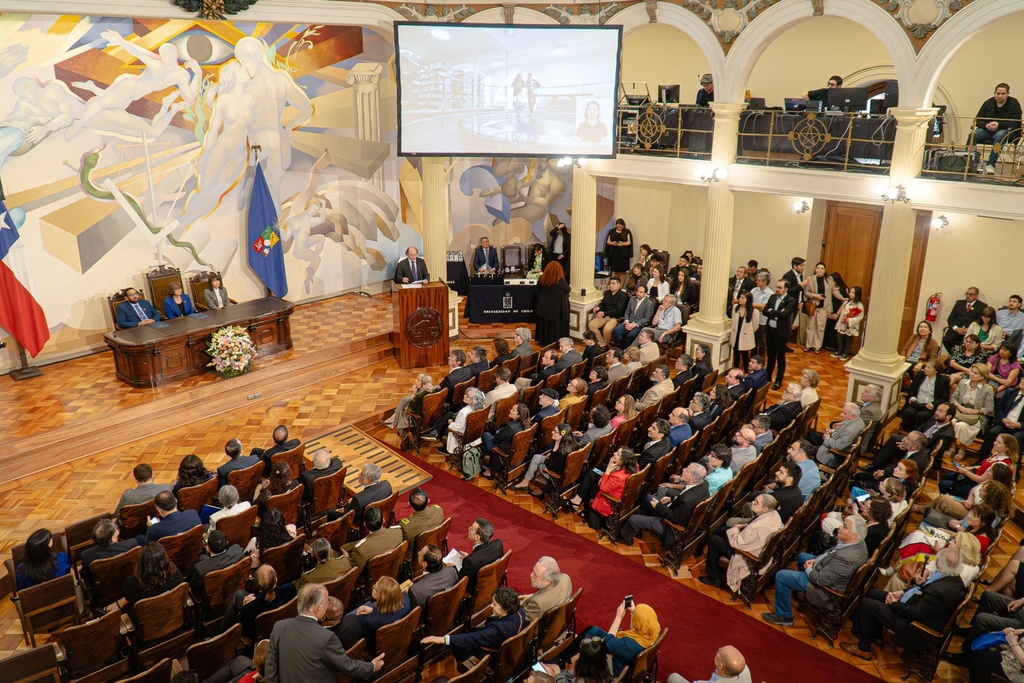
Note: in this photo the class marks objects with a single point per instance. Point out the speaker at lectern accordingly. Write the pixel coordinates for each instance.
(420, 334)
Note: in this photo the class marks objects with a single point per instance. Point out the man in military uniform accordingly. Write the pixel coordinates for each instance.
(424, 517)
(328, 565)
(377, 542)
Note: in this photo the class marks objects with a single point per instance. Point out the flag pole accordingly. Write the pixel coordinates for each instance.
(25, 371)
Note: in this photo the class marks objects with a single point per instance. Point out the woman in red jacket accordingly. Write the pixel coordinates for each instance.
(621, 465)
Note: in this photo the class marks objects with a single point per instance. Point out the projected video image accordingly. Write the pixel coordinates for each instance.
(489, 90)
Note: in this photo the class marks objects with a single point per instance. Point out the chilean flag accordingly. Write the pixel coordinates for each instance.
(20, 313)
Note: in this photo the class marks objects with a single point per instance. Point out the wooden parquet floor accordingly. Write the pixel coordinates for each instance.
(84, 388)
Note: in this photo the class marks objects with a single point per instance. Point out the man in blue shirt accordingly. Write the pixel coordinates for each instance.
(1011, 318)
(680, 430)
(810, 475)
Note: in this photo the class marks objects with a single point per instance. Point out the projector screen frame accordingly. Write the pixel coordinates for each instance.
(613, 99)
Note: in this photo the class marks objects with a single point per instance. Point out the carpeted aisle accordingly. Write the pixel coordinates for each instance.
(698, 625)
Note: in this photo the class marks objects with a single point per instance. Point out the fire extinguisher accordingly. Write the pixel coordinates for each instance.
(932, 312)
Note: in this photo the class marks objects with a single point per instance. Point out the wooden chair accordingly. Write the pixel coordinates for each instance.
(46, 605)
(406, 672)
(337, 532)
(293, 457)
(134, 518)
(685, 391)
(636, 378)
(623, 507)
(459, 392)
(342, 587)
(198, 284)
(706, 438)
(115, 300)
(925, 661)
(502, 408)
(206, 657)
(528, 364)
(576, 371)
(96, 649)
(546, 428)
(288, 503)
(327, 494)
(159, 281)
(557, 628)
(507, 467)
(659, 473)
(32, 666)
(431, 408)
(356, 652)
(195, 497)
(514, 655)
(488, 579)
(643, 422)
(644, 669)
(574, 414)
(78, 537)
(618, 389)
(385, 564)
(442, 609)
(828, 622)
(108, 577)
(163, 626)
(512, 365)
(387, 509)
(557, 380)
(682, 453)
(219, 587)
(183, 549)
(601, 451)
(476, 423)
(688, 538)
(265, 622)
(238, 528)
(531, 397)
(563, 486)
(477, 673)
(246, 480)
(437, 536)
(158, 673)
(756, 404)
(624, 432)
(485, 380)
(668, 403)
(710, 380)
(599, 397)
(286, 559)
(395, 640)
(762, 567)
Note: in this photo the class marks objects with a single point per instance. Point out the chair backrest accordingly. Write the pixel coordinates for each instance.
(198, 284)
(618, 388)
(685, 389)
(710, 380)
(158, 673)
(759, 396)
(337, 531)
(512, 365)
(433, 404)
(286, 559)
(265, 622)
(78, 536)
(93, 645)
(51, 602)
(576, 371)
(395, 639)
(356, 652)
(220, 585)
(502, 408)
(246, 480)
(206, 657)
(624, 432)
(238, 528)
(683, 452)
(668, 403)
(459, 392)
(183, 549)
(557, 380)
(574, 464)
(545, 429)
(645, 666)
(512, 654)
(342, 586)
(476, 674)
(442, 609)
(528, 364)
(159, 282)
(634, 485)
(437, 536)
(109, 574)
(134, 518)
(385, 564)
(574, 414)
(115, 300)
(601, 450)
(600, 397)
(557, 621)
(512, 256)
(658, 471)
(195, 497)
(485, 380)
(488, 579)
(521, 446)
(31, 666)
(161, 616)
(288, 503)
(293, 457)
(386, 507)
(327, 492)
(476, 423)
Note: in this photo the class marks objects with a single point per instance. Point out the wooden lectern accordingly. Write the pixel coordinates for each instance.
(421, 324)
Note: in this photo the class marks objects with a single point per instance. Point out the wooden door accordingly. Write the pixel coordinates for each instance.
(922, 227)
(849, 243)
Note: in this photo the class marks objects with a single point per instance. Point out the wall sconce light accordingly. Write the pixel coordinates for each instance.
(940, 222)
(801, 206)
(717, 175)
(896, 194)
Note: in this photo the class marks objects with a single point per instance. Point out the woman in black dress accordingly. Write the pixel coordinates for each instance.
(618, 247)
(552, 305)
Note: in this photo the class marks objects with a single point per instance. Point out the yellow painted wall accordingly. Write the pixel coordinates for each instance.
(663, 55)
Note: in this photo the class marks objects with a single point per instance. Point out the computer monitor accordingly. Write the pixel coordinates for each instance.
(877, 107)
(756, 104)
(848, 99)
(795, 103)
(892, 94)
(668, 94)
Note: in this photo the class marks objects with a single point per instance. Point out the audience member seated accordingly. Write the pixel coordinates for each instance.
(575, 392)
(658, 445)
(967, 546)
(606, 315)
(1008, 418)
(785, 489)
(1005, 449)
(323, 465)
(832, 569)
(684, 371)
(486, 549)
(623, 645)
(914, 450)
(762, 427)
(636, 278)
(387, 605)
(750, 538)
(596, 428)
(569, 355)
(145, 489)
(702, 365)
(598, 380)
(215, 294)
(928, 389)
(676, 510)
(743, 450)
(657, 285)
(921, 545)
(734, 383)
(552, 588)
(661, 386)
(477, 360)
(548, 404)
(1004, 369)
(939, 429)
(374, 489)
(518, 420)
(411, 404)
(281, 481)
(437, 576)
(218, 555)
(682, 287)
(990, 335)
(964, 312)
(474, 401)
(840, 437)
(1011, 318)
(424, 517)
(546, 367)
(522, 339)
(502, 351)
(800, 452)
(282, 444)
(154, 574)
(667, 321)
(563, 442)
(136, 311)
(41, 563)
(329, 566)
(485, 258)
(756, 376)
(649, 350)
(921, 347)
(503, 388)
(721, 399)
(679, 426)
(245, 607)
(378, 540)
(191, 472)
(700, 411)
(639, 312)
(236, 461)
(241, 669)
(458, 373)
(930, 604)
(172, 521)
(595, 506)
(590, 666)
(631, 357)
(508, 619)
(786, 410)
(271, 533)
(177, 304)
(625, 409)
(962, 357)
(730, 667)
(974, 401)
(107, 537)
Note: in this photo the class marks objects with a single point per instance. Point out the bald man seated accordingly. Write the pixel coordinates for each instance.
(730, 667)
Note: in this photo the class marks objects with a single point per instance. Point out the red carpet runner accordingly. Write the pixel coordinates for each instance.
(698, 625)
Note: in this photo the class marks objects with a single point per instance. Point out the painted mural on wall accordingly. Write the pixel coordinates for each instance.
(130, 143)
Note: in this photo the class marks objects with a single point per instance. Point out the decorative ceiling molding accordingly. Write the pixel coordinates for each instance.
(583, 15)
(214, 9)
(921, 17)
(445, 14)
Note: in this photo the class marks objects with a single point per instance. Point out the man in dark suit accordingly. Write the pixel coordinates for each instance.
(913, 447)
(172, 521)
(282, 444)
(570, 356)
(738, 284)
(833, 569)
(486, 549)
(236, 461)
(937, 430)
(437, 576)
(458, 373)
(607, 313)
(1008, 419)
(373, 490)
(965, 311)
(794, 277)
(217, 556)
(136, 311)
(787, 409)
(780, 310)
(323, 465)
(107, 537)
(674, 509)
(684, 371)
(477, 360)
(928, 390)
(547, 365)
(700, 413)
(485, 257)
(658, 446)
(638, 315)
(411, 268)
(930, 604)
(509, 619)
(303, 651)
(757, 376)
(734, 383)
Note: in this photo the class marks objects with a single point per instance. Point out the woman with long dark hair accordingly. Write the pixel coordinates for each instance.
(819, 291)
(191, 472)
(552, 305)
(41, 563)
(921, 347)
(271, 533)
(562, 444)
(745, 320)
(154, 574)
(281, 481)
(618, 247)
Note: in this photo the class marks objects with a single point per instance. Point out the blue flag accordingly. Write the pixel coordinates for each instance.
(266, 253)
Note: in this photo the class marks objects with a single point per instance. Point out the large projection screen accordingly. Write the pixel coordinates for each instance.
(494, 90)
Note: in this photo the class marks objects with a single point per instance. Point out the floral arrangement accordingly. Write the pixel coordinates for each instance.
(232, 351)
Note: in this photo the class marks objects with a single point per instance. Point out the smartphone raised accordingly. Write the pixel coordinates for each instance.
(628, 601)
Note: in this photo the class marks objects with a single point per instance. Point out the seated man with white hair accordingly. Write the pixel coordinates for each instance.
(667, 321)
(840, 436)
(373, 490)
(676, 509)
(553, 588)
(323, 465)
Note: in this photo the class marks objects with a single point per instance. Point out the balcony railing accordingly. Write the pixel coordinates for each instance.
(965, 158)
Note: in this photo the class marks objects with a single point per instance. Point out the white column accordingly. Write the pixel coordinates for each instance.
(584, 245)
(879, 361)
(711, 325)
(437, 221)
(365, 77)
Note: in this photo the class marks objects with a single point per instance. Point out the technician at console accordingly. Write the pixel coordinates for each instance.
(821, 94)
(706, 94)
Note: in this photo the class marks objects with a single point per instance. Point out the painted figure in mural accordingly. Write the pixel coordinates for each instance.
(223, 157)
(162, 71)
(271, 90)
(306, 245)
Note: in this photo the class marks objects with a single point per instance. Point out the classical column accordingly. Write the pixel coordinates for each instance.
(879, 361)
(365, 77)
(437, 220)
(711, 325)
(584, 237)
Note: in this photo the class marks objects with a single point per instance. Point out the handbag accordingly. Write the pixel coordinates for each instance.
(809, 307)
(909, 570)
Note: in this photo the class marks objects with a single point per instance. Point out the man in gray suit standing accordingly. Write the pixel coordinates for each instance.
(303, 651)
(833, 569)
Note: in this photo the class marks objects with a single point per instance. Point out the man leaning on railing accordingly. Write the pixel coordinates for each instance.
(998, 118)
